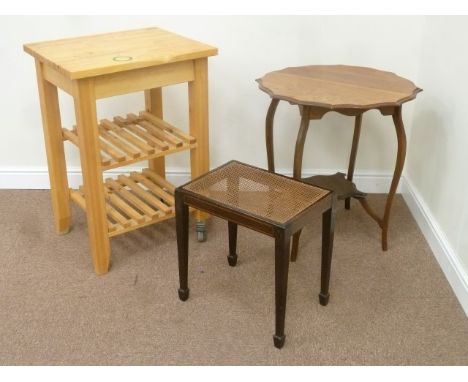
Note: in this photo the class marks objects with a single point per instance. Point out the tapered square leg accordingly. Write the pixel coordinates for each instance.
(232, 258)
(295, 245)
(328, 222)
(282, 242)
(182, 244)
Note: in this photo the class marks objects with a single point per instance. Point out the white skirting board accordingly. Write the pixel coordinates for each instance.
(35, 178)
(38, 178)
(441, 248)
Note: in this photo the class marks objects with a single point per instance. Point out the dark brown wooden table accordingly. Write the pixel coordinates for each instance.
(348, 90)
(272, 204)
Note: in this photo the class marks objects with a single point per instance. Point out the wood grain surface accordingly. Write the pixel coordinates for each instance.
(94, 55)
(338, 86)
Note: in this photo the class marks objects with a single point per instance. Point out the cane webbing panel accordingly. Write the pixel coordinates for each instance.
(256, 192)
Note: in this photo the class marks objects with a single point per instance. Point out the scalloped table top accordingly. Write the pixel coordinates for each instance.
(338, 86)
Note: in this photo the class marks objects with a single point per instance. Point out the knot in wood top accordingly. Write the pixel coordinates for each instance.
(338, 86)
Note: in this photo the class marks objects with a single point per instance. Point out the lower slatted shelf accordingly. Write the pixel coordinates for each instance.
(134, 200)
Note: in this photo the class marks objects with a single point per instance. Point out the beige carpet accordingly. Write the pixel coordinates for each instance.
(385, 308)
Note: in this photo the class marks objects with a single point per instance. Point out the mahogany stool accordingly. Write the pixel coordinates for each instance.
(269, 203)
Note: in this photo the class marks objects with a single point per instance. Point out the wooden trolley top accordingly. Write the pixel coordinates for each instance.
(95, 55)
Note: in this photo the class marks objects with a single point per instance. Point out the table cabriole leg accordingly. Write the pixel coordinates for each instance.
(400, 162)
(297, 170)
(282, 243)
(371, 212)
(52, 126)
(269, 134)
(300, 141)
(182, 244)
(198, 121)
(90, 156)
(352, 156)
(154, 105)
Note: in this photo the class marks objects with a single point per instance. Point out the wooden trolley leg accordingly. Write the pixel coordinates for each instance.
(198, 120)
(182, 244)
(352, 156)
(232, 258)
(52, 125)
(400, 161)
(297, 171)
(90, 156)
(282, 242)
(154, 105)
(328, 228)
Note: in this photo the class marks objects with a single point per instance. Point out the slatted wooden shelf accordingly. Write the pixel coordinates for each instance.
(128, 140)
(134, 200)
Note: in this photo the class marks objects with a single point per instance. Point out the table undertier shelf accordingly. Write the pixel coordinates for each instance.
(134, 200)
(128, 140)
(338, 183)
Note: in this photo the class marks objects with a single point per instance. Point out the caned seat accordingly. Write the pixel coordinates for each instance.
(255, 192)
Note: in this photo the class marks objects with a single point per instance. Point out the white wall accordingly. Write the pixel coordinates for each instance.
(437, 162)
(248, 48)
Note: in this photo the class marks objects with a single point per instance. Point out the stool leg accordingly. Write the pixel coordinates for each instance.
(232, 258)
(295, 245)
(282, 241)
(182, 244)
(328, 223)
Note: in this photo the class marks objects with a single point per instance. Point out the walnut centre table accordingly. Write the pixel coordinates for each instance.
(348, 90)
(106, 65)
